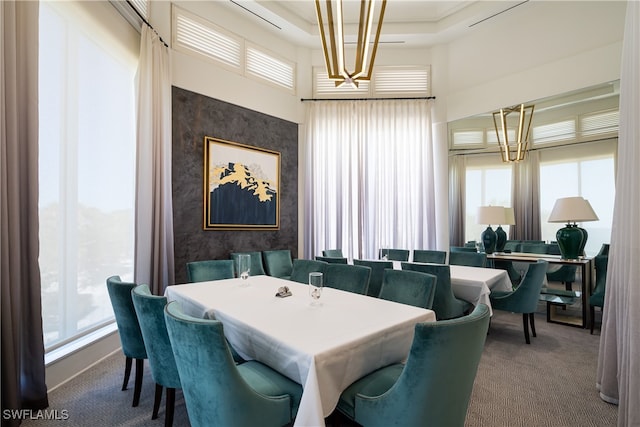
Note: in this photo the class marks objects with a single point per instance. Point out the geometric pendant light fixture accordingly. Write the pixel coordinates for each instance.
(513, 125)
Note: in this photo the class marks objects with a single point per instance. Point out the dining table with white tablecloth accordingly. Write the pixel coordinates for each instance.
(324, 348)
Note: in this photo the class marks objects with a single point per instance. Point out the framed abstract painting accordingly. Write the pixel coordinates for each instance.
(241, 186)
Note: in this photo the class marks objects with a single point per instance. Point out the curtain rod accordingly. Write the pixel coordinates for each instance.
(365, 99)
(146, 22)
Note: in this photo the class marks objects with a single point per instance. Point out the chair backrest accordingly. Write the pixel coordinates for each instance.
(444, 356)
(126, 318)
(471, 259)
(462, 249)
(597, 295)
(214, 391)
(351, 278)
(214, 269)
(524, 298)
(150, 311)
(377, 272)
(408, 287)
(394, 254)
(534, 248)
(334, 253)
(512, 245)
(332, 259)
(443, 299)
(278, 263)
(257, 268)
(302, 268)
(423, 255)
(604, 249)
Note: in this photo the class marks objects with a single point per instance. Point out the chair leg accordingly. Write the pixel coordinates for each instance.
(138, 385)
(525, 324)
(533, 324)
(169, 405)
(156, 401)
(592, 313)
(127, 372)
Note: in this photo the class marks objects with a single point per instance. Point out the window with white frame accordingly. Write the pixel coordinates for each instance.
(88, 59)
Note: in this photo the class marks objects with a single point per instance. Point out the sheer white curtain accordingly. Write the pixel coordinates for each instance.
(370, 179)
(618, 376)
(154, 262)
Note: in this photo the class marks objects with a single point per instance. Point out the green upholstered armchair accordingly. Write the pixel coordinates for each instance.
(462, 249)
(377, 271)
(129, 330)
(394, 254)
(445, 304)
(150, 311)
(333, 253)
(435, 385)
(256, 268)
(351, 278)
(471, 259)
(437, 257)
(215, 269)
(278, 263)
(217, 392)
(302, 268)
(332, 259)
(524, 299)
(597, 296)
(408, 287)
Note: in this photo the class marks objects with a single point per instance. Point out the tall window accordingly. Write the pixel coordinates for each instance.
(488, 182)
(87, 159)
(581, 170)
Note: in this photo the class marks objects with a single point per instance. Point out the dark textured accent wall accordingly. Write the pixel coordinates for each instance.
(195, 116)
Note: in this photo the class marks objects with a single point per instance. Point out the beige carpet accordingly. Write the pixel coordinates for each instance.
(548, 383)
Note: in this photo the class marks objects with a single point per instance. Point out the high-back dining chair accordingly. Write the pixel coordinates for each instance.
(217, 392)
(351, 278)
(524, 299)
(333, 253)
(445, 304)
(150, 311)
(471, 259)
(278, 263)
(394, 254)
(377, 272)
(433, 388)
(332, 259)
(408, 287)
(129, 331)
(424, 255)
(302, 268)
(256, 268)
(214, 269)
(597, 295)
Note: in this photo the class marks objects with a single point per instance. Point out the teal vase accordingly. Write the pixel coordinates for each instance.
(501, 239)
(571, 240)
(489, 240)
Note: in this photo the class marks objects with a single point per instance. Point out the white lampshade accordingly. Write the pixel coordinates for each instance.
(572, 209)
(510, 217)
(491, 215)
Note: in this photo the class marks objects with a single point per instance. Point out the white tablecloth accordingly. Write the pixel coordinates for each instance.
(323, 348)
(474, 284)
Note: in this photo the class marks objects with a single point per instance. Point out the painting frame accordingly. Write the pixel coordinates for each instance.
(241, 186)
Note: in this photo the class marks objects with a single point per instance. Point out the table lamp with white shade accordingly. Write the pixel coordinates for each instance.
(490, 215)
(572, 239)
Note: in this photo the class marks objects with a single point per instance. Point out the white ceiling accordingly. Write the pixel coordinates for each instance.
(409, 23)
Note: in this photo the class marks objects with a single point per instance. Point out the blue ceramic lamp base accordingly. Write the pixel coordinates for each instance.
(571, 240)
(489, 239)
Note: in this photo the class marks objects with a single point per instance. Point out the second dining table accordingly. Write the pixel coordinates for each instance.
(324, 348)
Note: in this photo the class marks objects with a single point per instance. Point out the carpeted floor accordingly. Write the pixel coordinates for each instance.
(548, 383)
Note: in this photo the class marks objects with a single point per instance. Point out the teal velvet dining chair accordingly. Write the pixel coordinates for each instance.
(351, 278)
(332, 259)
(408, 287)
(333, 253)
(597, 295)
(445, 303)
(470, 259)
(462, 249)
(524, 299)
(424, 255)
(256, 268)
(217, 392)
(150, 311)
(302, 267)
(433, 388)
(215, 269)
(278, 263)
(129, 331)
(394, 254)
(377, 272)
